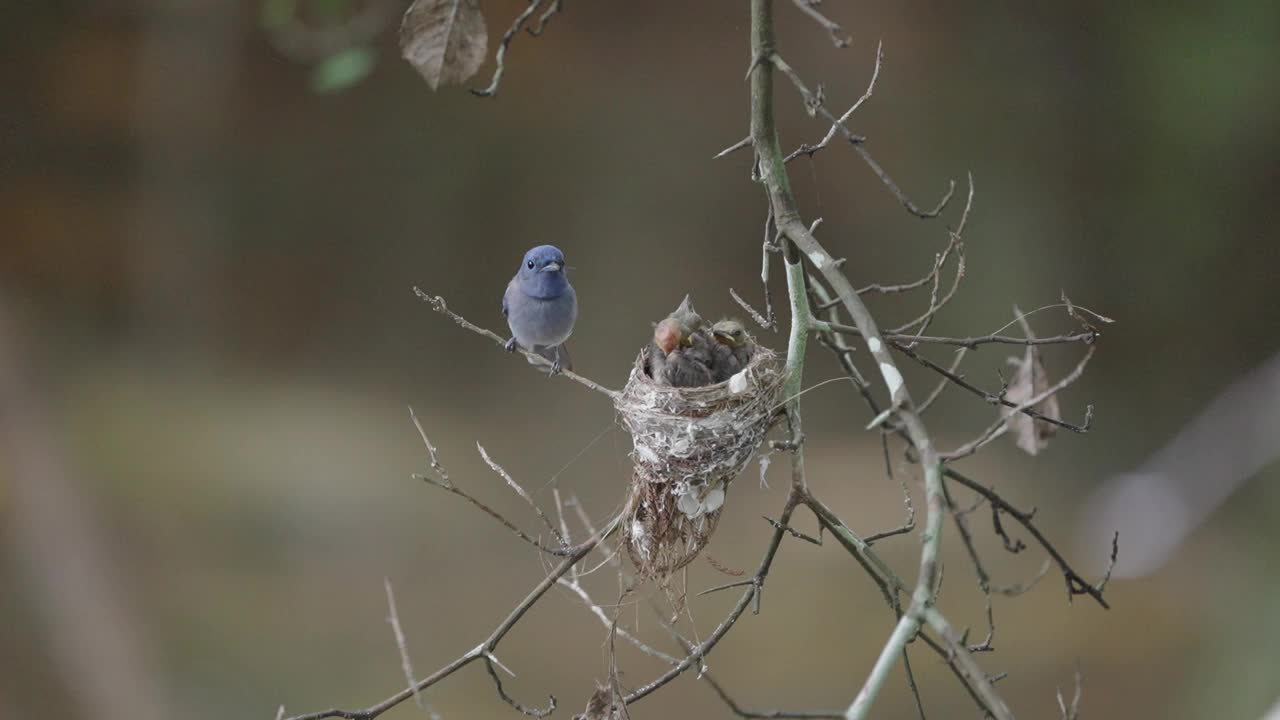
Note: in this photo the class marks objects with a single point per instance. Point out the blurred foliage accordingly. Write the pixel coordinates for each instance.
(343, 69)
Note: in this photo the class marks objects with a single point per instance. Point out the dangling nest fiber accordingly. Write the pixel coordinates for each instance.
(689, 445)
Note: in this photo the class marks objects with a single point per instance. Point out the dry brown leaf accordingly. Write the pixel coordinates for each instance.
(1030, 380)
(445, 40)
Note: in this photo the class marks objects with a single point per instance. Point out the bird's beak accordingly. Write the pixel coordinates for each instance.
(722, 335)
(552, 267)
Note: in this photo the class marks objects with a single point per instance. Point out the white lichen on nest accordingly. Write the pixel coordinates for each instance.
(689, 444)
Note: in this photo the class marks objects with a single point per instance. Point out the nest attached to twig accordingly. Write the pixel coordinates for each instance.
(689, 444)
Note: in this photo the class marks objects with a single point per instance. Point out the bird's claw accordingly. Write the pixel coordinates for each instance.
(510, 345)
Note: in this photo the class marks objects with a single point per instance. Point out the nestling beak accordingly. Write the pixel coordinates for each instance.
(552, 266)
(726, 337)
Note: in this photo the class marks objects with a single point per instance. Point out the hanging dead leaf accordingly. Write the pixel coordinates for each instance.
(599, 705)
(445, 40)
(1030, 381)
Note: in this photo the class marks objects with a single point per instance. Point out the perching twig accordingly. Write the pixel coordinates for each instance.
(437, 303)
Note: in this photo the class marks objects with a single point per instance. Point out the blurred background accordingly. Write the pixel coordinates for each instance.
(211, 220)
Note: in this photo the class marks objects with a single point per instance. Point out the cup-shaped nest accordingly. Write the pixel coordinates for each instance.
(689, 444)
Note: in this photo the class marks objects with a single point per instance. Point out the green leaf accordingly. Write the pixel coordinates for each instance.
(342, 70)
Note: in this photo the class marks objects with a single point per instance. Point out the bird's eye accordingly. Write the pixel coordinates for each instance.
(529, 264)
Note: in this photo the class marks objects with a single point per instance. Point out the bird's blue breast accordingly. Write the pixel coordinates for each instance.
(542, 285)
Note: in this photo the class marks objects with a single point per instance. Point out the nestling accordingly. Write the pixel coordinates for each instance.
(732, 349)
(680, 355)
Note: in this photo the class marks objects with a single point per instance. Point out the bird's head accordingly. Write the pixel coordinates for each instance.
(730, 332)
(688, 318)
(543, 259)
(667, 335)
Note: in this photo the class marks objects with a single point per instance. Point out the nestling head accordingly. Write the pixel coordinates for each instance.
(730, 332)
(667, 335)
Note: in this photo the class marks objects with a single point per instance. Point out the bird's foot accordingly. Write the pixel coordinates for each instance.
(556, 367)
(510, 345)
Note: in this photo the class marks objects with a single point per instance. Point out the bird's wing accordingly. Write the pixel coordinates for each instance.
(506, 310)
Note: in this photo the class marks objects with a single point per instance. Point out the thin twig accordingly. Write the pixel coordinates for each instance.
(521, 492)
(437, 303)
(545, 18)
(443, 482)
(811, 150)
(837, 34)
(485, 649)
(767, 714)
(997, 428)
(1076, 584)
(500, 58)
(994, 399)
(1072, 711)
(972, 343)
(752, 592)
(766, 321)
(402, 644)
(945, 381)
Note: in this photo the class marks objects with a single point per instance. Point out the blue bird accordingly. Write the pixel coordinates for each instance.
(541, 307)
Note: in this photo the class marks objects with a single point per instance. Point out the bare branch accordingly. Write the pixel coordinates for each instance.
(489, 662)
(766, 321)
(442, 481)
(551, 11)
(945, 381)
(813, 102)
(769, 714)
(752, 593)
(402, 644)
(837, 34)
(999, 427)
(516, 26)
(1076, 584)
(437, 303)
(811, 150)
(485, 649)
(521, 492)
(994, 399)
(971, 343)
(1072, 712)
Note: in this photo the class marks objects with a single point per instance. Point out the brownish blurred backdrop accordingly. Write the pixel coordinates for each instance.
(209, 342)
